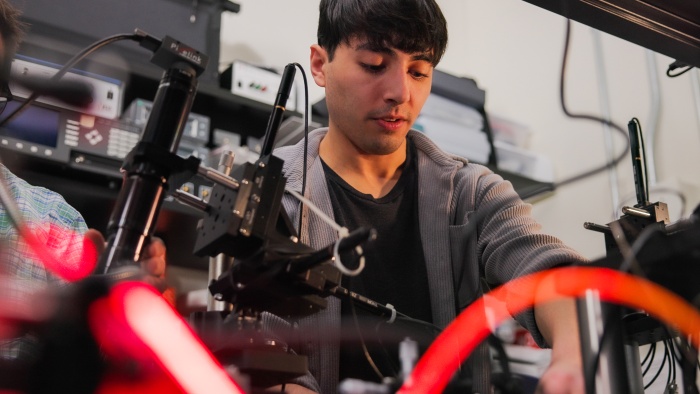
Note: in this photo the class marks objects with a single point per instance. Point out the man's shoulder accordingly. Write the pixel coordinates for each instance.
(297, 150)
(39, 203)
(424, 145)
(435, 154)
(292, 154)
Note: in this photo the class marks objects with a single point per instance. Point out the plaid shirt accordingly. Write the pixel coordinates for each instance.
(56, 224)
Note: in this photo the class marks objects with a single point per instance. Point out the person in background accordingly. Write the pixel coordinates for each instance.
(46, 214)
(375, 59)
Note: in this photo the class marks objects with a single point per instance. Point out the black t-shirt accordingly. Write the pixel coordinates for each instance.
(394, 273)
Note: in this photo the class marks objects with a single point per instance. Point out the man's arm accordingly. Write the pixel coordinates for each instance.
(558, 324)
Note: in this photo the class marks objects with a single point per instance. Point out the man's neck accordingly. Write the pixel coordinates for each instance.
(369, 174)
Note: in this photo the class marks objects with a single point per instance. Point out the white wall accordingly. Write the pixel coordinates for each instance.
(513, 50)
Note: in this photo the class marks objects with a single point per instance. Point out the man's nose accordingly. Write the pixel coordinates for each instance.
(397, 86)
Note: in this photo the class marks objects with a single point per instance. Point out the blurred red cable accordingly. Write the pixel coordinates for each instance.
(439, 363)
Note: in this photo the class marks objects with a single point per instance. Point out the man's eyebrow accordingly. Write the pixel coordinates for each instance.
(366, 46)
(425, 56)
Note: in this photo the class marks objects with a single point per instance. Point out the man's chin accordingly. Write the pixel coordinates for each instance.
(386, 145)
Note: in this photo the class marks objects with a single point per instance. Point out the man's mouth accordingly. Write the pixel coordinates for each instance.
(391, 118)
(391, 123)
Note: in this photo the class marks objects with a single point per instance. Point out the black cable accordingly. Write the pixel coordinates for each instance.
(651, 361)
(675, 65)
(306, 141)
(73, 61)
(365, 351)
(676, 357)
(624, 151)
(661, 367)
(394, 368)
(647, 356)
(673, 360)
(401, 316)
(668, 72)
(670, 365)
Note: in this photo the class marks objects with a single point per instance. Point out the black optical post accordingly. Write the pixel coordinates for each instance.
(152, 163)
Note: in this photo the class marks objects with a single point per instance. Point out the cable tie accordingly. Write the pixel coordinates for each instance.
(393, 313)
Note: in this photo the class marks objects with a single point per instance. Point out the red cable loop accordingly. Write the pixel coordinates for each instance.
(439, 363)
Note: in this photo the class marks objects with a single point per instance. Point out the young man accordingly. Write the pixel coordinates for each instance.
(58, 225)
(375, 59)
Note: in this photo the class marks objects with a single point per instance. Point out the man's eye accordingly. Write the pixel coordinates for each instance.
(372, 68)
(419, 75)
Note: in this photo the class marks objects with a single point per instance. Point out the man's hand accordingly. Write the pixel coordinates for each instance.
(564, 376)
(152, 258)
(153, 264)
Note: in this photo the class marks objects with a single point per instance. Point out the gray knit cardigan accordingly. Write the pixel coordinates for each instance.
(508, 243)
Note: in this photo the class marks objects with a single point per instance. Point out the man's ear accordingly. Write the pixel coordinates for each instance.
(318, 59)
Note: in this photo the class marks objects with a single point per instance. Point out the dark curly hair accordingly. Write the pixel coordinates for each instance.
(408, 25)
(11, 28)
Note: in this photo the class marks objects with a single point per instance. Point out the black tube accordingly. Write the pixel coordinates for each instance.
(135, 215)
(280, 102)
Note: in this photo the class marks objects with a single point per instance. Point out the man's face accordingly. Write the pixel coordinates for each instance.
(373, 94)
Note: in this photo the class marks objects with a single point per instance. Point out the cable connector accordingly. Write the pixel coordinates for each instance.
(675, 65)
(408, 354)
(146, 40)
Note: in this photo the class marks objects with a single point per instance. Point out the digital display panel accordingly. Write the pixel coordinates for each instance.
(35, 124)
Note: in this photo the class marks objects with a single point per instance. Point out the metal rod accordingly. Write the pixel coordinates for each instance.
(654, 113)
(190, 200)
(642, 213)
(218, 177)
(605, 110)
(221, 262)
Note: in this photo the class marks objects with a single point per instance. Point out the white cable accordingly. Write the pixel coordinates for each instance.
(343, 232)
(317, 211)
(339, 264)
